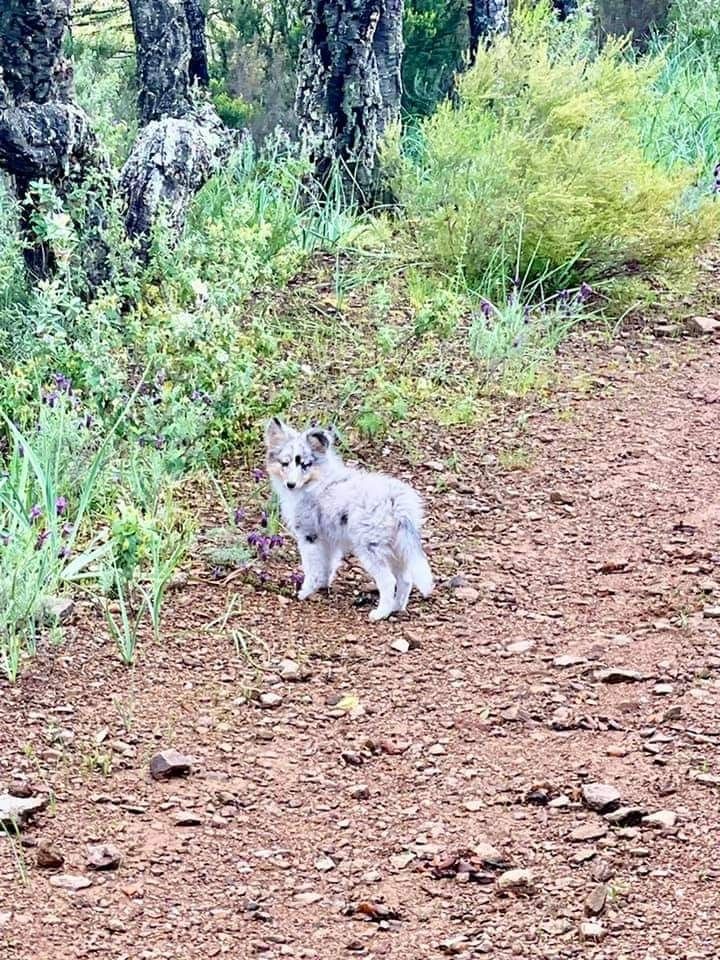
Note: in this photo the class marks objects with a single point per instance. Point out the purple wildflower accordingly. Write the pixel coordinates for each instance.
(5, 539)
(264, 519)
(64, 553)
(88, 421)
(61, 506)
(297, 579)
(526, 314)
(42, 539)
(63, 383)
(276, 540)
(486, 308)
(254, 538)
(35, 513)
(51, 399)
(159, 443)
(66, 529)
(258, 475)
(238, 516)
(586, 291)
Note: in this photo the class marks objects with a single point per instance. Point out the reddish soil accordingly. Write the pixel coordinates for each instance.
(603, 549)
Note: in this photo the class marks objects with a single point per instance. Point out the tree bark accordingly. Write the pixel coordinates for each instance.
(198, 69)
(182, 141)
(349, 86)
(389, 48)
(44, 134)
(618, 17)
(486, 18)
(564, 8)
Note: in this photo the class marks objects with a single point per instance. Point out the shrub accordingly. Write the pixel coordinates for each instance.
(540, 172)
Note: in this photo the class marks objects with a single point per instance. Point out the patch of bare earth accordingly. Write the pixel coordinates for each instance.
(354, 812)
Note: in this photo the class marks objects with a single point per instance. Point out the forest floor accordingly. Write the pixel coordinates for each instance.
(573, 638)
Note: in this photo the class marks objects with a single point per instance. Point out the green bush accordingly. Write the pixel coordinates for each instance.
(539, 171)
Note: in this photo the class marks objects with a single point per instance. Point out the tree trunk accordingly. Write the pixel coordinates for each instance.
(198, 69)
(618, 17)
(389, 48)
(349, 86)
(182, 142)
(44, 135)
(564, 8)
(486, 18)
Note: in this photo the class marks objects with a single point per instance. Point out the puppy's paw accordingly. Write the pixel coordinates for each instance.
(305, 592)
(379, 613)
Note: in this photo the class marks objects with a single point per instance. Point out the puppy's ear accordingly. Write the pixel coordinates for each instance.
(319, 440)
(276, 433)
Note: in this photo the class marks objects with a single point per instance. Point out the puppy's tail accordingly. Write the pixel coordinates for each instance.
(410, 544)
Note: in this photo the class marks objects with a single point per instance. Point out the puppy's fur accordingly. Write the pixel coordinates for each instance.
(334, 510)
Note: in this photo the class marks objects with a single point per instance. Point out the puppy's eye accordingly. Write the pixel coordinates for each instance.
(306, 466)
(284, 463)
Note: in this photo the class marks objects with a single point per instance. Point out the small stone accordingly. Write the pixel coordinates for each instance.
(663, 689)
(169, 763)
(289, 670)
(57, 610)
(561, 496)
(584, 854)
(560, 803)
(324, 864)
(70, 881)
(519, 878)
(270, 701)
(595, 900)
(709, 779)
(556, 928)
(618, 675)
(47, 857)
(103, 856)
(307, 899)
(15, 811)
(667, 330)
(437, 750)
(472, 806)
(588, 831)
(602, 871)
(400, 645)
(468, 594)
(489, 855)
(568, 660)
(591, 930)
(520, 646)
(402, 860)
(186, 818)
(600, 797)
(626, 816)
(662, 820)
(360, 791)
(702, 326)
(711, 613)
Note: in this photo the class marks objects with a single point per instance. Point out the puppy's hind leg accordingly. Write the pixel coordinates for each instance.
(403, 588)
(381, 572)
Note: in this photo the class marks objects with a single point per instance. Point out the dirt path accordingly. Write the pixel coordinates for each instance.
(374, 771)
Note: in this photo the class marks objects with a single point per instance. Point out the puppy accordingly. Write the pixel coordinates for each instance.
(334, 510)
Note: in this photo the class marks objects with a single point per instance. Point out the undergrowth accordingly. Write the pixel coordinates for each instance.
(559, 182)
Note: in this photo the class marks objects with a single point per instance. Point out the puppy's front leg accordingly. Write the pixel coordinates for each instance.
(314, 566)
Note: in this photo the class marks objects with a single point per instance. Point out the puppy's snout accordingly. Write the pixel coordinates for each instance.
(291, 486)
